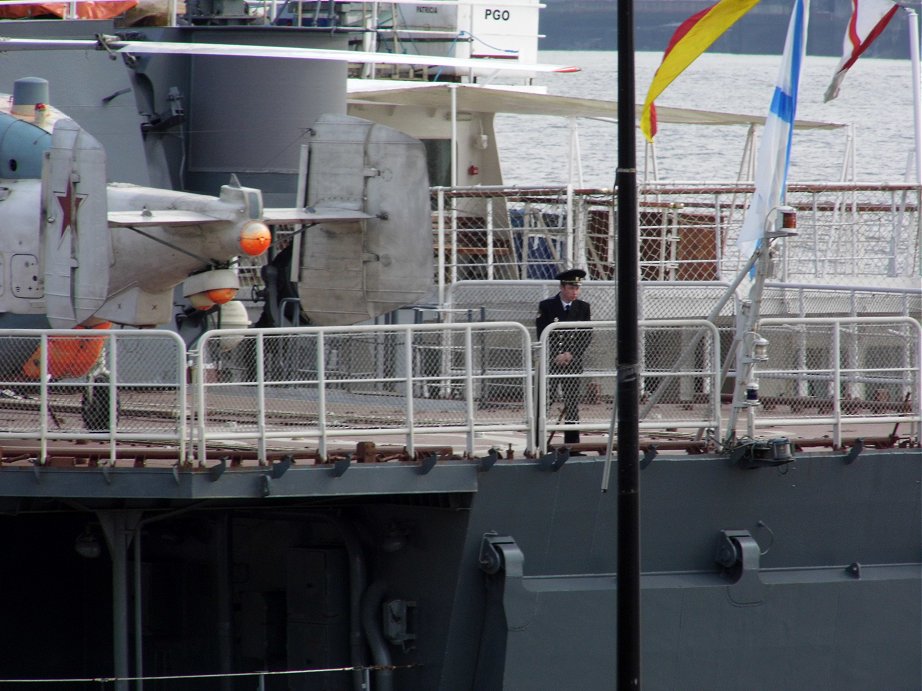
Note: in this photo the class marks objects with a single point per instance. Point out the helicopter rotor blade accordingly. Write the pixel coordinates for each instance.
(117, 46)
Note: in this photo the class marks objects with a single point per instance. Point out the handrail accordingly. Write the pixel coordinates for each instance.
(409, 391)
(846, 371)
(457, 385)
(96, 366)
(700, 417)
(870, 232)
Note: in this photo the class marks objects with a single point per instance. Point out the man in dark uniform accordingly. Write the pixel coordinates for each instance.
(566, 346)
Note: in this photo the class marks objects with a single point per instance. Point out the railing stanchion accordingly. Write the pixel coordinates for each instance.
(469, 385)
(198, 366)
(260, 397)
(440, 240)
(410, 410)
(322, 395)
(836, 387)
(112, 410)
(43, 401)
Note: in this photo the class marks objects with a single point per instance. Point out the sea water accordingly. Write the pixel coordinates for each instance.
(875, 103)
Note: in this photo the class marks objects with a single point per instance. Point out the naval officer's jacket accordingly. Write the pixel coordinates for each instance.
(563, 340)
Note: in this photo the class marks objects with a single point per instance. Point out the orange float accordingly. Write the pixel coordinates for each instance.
(68, 356)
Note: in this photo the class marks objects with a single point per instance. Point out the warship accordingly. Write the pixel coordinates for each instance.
(337, 462)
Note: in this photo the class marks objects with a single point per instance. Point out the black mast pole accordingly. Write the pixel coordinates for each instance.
(628, 391)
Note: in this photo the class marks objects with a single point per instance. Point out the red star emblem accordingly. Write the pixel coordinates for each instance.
(70, 202)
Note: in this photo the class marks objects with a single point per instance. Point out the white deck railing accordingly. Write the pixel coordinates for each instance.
(686, 389)
(135, 390)
(847, 372)
(866, 234)
(469, 386)
(399, 382)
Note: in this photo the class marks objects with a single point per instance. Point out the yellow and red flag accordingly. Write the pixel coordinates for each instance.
(694, 36)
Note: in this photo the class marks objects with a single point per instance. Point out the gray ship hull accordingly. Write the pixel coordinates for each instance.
(257, 572)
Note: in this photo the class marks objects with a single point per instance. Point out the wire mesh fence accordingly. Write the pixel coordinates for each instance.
(418, 380)
(680, 377)
(479, 381)
(870, 233)
(88, 384)
(405, 380)
(518, 300)
(846, 371)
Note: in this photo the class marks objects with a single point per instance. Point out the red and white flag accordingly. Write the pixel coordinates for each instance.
(868, 20)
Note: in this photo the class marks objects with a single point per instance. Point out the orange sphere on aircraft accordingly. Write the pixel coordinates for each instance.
(221, 295)
(255, 238)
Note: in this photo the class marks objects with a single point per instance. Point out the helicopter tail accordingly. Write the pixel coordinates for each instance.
(75, 230)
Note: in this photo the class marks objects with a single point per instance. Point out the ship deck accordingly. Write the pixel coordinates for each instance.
(381, 446)
(477, 392)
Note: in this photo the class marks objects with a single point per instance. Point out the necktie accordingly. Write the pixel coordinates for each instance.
(566, 308)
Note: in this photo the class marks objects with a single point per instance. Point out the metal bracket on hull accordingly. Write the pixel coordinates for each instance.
(738, 553)
(280, 468)
(485, 463)
(854, 452)
(216, 471)
(341, 466)
(276, 471)
(501, 553)
(426, 464)
(648, 456)
(555, 459)
(761, 453)
(493, 549)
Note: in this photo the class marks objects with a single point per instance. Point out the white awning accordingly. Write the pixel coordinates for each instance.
(475, 98)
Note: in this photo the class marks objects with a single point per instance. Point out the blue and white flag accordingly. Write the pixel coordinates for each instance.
(774, 155)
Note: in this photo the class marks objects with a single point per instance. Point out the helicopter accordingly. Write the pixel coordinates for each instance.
(81, 253)
(65, 263)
